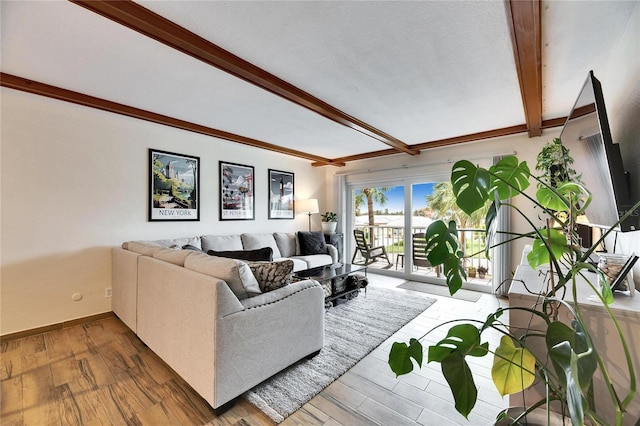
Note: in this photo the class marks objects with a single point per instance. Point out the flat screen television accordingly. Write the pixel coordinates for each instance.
(587, 136)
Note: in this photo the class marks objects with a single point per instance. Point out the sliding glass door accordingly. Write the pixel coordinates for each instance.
(394, 216)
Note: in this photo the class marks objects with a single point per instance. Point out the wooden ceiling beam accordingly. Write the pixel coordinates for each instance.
(523, 17)
(152, 25)
(42, 89)
(473, 137)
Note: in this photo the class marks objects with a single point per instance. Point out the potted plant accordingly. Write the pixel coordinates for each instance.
(482, 271)
(471, 271)
(572, 360)
(329, 222)
(554, 162)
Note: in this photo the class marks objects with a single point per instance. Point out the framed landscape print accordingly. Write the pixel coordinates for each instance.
(237, 200)
(173, 186)
(280, 195)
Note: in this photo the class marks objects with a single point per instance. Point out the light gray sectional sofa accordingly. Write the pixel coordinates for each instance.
(206, 317)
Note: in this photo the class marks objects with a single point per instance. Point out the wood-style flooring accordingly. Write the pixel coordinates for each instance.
(100, 373)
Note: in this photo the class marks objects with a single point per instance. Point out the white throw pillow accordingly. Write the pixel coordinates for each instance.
(286, 242)
(256, 241)
(221, 242)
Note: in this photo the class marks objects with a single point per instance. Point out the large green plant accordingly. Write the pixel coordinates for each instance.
(573, 357)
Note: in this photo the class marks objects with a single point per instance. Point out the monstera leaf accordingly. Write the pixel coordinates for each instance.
(509, 177)
(561, 199)
(579, 196)
(401, 355)
(461, 340)
(442, 249)
(454, 273)
(557, 333)
(470, 186)
(442, 240)
(551, 199)
(490, 225)
(539, 254)
(564, 356)
(513, 367)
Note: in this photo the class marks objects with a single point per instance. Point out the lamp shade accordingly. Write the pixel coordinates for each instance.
(309, 206)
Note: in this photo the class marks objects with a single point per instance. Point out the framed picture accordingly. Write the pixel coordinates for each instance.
(280, 195)
(174, 186)
(237, 199)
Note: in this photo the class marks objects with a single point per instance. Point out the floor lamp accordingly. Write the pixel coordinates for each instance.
(308, 206)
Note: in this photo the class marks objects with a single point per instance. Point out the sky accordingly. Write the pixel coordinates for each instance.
(395, 195)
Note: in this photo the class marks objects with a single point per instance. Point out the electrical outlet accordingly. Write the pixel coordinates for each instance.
(107, 292)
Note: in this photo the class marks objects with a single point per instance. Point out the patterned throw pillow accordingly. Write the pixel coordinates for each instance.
(272, 275)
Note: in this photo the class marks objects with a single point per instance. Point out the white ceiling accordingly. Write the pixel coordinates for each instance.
(419, 71)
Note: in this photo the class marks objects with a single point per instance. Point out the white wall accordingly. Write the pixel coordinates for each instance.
(75, 184)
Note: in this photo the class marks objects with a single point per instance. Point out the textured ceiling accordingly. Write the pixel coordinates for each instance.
(419, 71)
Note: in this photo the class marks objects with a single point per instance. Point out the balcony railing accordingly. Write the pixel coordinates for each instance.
(392, 238)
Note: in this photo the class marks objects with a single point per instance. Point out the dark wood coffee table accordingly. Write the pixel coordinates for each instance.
(333, 276)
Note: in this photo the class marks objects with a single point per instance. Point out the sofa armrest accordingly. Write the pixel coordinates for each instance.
(333, 252)
(177, 314)
(124, 281)
(260, 341)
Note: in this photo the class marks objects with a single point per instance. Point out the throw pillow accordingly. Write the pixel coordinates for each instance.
(272, 275)
(254, 241)
(265, 254)
(235, 273)
(192, 248)
(312, 243)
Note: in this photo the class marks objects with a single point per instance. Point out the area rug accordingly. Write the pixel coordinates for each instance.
(441, 290)
(352, 330)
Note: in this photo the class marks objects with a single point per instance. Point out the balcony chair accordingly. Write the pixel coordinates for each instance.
(419, 243)
(370, 254)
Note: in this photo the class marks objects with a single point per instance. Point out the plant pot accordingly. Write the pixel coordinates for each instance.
(481, 275)
(471, 273)
(329, 227)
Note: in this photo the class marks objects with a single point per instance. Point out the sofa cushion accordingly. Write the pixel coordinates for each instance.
(314, 260)
(286, 242)
(264, 254)
(272, 275)
(235, 273)
(254, 241)
(221, 242)
(312, 243)
(175, 256)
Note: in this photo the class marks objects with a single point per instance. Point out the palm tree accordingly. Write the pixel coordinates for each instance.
(379, 195)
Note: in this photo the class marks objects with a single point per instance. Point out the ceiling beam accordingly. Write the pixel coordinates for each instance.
(473, 137)
(152, 25)
(42, 89)
(523, 17)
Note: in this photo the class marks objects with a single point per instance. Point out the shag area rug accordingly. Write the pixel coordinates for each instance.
(352, 330)
(441, 290)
